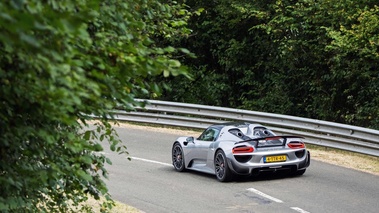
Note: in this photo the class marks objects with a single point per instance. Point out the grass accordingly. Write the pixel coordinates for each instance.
(352, 160)
(118, 208)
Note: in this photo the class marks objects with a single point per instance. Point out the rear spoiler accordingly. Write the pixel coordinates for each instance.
(276, 137)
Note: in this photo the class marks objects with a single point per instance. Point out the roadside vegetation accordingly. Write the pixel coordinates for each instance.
(308, 58)
(61, 62)
(351, 160)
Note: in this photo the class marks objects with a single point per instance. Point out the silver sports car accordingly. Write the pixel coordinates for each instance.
(240, 148)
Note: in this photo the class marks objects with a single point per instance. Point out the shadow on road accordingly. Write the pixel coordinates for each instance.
(266, 176)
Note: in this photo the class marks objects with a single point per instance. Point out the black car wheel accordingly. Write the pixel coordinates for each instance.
(307, 163)
(222, 170)
(299, 172)
(177, 157)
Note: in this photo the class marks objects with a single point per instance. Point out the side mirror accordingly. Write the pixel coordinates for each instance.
(189, 140)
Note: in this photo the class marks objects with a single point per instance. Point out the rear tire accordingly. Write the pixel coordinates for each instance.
(222, 170)
(299, 172)
(178, 157)
(307, 163)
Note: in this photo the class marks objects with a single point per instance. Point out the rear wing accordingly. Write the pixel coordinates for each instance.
(270, 141)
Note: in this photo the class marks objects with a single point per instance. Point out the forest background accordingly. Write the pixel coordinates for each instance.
(309, 58)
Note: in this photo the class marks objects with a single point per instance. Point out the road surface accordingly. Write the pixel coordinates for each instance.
(150, 183)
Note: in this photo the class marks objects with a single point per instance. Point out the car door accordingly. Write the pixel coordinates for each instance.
(204, 143)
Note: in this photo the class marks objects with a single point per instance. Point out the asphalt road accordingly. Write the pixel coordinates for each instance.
(150, 183)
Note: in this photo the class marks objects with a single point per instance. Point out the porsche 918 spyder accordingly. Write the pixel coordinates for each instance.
(240, 148)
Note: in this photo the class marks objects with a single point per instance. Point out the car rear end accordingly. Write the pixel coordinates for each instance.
(269, 154)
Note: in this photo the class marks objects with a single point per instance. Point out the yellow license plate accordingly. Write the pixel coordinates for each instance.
(271, 159)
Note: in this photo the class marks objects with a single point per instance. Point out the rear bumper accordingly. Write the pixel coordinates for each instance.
(249, 168)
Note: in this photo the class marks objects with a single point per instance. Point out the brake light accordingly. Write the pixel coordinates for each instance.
(296, 145)
(242, 149)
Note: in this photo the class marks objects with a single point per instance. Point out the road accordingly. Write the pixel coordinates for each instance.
(149, 183)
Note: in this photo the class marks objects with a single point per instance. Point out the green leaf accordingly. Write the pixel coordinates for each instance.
(63, 63)
(87, 135)
(166, 73)
(108, 161)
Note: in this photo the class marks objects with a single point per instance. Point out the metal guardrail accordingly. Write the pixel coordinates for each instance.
(317, 132)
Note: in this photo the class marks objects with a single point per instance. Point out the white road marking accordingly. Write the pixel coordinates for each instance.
(249, 189)
(299, 210)
(151, 161)
(264, 195)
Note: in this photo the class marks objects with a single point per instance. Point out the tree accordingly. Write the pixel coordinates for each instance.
(61, 62)
(354, 64)
(308, 58)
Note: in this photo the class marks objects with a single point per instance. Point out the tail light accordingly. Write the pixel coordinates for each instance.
(242, 149)
(296, 145)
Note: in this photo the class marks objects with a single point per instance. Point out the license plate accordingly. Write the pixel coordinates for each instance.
(278, 158)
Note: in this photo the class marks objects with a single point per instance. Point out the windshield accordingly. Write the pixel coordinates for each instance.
(209, 134)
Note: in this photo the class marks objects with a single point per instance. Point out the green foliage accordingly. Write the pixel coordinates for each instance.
(355, 62)
(61, 61)
(309, 58)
